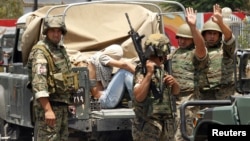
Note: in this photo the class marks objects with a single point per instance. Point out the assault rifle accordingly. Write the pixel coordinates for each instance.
(168, 68)
(136, 38)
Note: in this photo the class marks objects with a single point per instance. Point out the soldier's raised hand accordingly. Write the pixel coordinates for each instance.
(217, 14)
(191, 16)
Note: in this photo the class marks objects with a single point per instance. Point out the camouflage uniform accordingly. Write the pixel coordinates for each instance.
(189, 71)
(220, 77)
(154, 118)
(47, 71)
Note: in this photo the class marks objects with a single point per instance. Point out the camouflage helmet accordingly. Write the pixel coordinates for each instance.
(210, 25)
(184, 31)
(54, 22)
(157, 44)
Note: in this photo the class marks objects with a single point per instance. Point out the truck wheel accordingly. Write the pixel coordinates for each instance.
(14, 132)
(1, 127)
(5, 137)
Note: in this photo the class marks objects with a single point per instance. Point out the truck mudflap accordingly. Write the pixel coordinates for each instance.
(197, 103)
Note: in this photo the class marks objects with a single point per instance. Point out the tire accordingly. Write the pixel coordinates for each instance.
(3, 137)
(15, 132)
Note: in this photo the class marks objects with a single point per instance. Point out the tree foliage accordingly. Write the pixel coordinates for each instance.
(11, 9)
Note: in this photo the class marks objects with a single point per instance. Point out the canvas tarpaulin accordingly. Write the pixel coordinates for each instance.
(93, 27)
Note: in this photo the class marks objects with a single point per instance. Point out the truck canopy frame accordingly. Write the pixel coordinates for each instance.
(85, 36)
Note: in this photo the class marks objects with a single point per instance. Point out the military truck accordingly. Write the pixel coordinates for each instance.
(233, 111)
(91, 26)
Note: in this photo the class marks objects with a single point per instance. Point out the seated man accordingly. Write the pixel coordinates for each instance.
(109, 89)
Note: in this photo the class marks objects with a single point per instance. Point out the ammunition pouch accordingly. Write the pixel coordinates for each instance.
(62, 83)
(59, 82)
(70, 83)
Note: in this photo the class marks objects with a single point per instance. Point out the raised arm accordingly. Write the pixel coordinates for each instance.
(217, 18)
(200, 48)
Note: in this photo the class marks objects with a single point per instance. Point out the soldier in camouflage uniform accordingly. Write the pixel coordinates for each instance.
(220, 43)
(154, 120)
(48, 66)
(189, 65)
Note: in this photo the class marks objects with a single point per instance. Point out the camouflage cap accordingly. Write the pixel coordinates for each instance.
(54, 22)
(159, 42)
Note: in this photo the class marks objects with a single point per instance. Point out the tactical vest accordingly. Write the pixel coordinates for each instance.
(188, 70)
(221, 68)
(60, 79)
(151, 106)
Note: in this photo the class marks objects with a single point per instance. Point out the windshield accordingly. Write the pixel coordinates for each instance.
(7, 42)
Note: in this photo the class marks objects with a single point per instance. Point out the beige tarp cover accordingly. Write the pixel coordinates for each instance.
(93, 27)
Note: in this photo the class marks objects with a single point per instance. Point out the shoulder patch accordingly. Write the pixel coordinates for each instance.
(41, 69)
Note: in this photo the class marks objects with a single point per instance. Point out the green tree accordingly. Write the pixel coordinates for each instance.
(11, 9)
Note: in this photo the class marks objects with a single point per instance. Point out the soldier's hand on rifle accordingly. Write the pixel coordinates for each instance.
(170, 81)
(150, 66)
